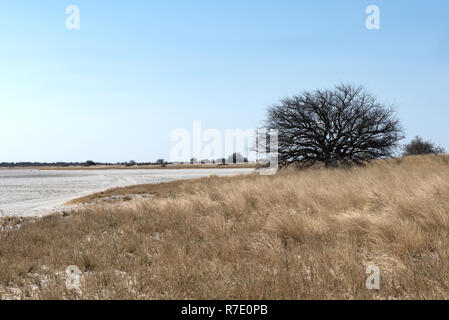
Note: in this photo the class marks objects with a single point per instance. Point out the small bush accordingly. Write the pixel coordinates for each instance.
(419, 146)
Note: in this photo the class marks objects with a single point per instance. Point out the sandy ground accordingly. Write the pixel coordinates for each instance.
(30, 192)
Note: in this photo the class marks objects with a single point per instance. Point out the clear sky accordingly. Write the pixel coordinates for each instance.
(136, 70)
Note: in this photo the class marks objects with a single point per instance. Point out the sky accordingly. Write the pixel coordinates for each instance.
(116, 88)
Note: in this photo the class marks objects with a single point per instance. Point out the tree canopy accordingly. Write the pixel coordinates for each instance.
(342, 126)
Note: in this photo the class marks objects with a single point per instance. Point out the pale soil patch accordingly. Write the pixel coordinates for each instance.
(30, 193)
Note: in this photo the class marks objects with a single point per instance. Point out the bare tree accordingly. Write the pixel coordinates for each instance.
(419, 146)
(343, 126)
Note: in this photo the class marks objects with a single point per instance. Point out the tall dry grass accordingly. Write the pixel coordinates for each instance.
(296, 235)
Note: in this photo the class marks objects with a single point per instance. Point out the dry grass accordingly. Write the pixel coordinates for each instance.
(297, 235)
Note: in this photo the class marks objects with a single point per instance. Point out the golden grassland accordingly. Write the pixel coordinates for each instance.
(297, 235)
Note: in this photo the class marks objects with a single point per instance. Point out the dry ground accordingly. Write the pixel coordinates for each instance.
(296, 235)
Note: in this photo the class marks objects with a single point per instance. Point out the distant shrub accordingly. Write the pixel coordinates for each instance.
(419, 146)
(131, 163)
(89, 163)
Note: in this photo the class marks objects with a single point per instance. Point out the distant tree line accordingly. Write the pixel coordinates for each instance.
(234, 158)
(48, 164)
(88, 163)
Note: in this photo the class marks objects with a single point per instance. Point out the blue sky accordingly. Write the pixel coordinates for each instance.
(136, 70)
